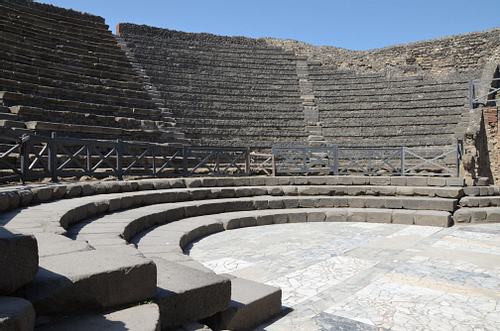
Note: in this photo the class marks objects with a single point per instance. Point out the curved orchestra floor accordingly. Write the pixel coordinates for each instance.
(365, 276)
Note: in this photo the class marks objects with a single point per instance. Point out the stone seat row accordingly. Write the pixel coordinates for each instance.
(393, 97)
(275, 91)
(84, 50)
(228, 83)
(271, 91)
(404, 120)
(13, 98)
(39, 114)
(139, 40)
(222, 98)
(51, 83)
(392, 113)
(14, 85)
(70, 78)
(193, 59)
(155, 55)
(368, 91)
(357, 83)
(221, 72)
(65, 62)
(55, 64)
(414, 104)
(188, 107)
(67, 19)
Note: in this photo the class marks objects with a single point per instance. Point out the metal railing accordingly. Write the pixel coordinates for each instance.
(36, 157)
(403, 161)
(485, 98)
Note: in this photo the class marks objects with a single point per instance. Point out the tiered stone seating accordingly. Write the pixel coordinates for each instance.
(375, 110)
(161, 217)
(223, 91)
(66, 74)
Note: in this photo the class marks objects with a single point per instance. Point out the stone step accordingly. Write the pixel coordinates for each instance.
(474, 191)
(252, 304)
(477, 215)
(145, 317)
(19, 260)
(16, 314)
(188, 295)
(90, 280)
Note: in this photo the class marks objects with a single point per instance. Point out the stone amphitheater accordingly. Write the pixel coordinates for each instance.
(329, 252)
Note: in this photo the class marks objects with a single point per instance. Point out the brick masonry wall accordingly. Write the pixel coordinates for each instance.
(463, 54)
(493, 138)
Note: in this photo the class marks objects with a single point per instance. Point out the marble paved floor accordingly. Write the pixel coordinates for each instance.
(364, 276)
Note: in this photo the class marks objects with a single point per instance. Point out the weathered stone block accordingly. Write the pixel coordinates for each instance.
(403, 216)
(378, 215)
(18, 260)
(252, 304)
(187, 295)
(433, 218)
(90, 280)
(336, 215)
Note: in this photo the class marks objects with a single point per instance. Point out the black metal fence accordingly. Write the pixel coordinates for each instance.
(402, 161)
(36, 157)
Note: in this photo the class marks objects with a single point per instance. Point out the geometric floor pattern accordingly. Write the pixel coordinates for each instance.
(366, 276)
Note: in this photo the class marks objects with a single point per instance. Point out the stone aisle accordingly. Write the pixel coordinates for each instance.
(364, 276)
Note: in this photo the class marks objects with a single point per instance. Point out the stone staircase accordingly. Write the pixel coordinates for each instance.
(66, 74)
(92, 251)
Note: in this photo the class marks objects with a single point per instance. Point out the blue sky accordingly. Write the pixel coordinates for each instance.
(351, 24)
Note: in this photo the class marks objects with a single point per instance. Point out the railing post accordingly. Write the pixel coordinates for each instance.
(53, 157)
(336, 160)
(185, 160)
(119, 159)
(471, 94)
(89, 159)
(403, 161)
(154, 161)
(458, 159)
(25, 159)
(248, 171)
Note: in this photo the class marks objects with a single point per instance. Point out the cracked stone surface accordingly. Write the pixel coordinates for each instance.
(362, 276)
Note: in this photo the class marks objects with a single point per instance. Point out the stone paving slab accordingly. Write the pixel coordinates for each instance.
(367, 276)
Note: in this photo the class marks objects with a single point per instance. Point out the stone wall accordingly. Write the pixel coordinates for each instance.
(464, 54)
